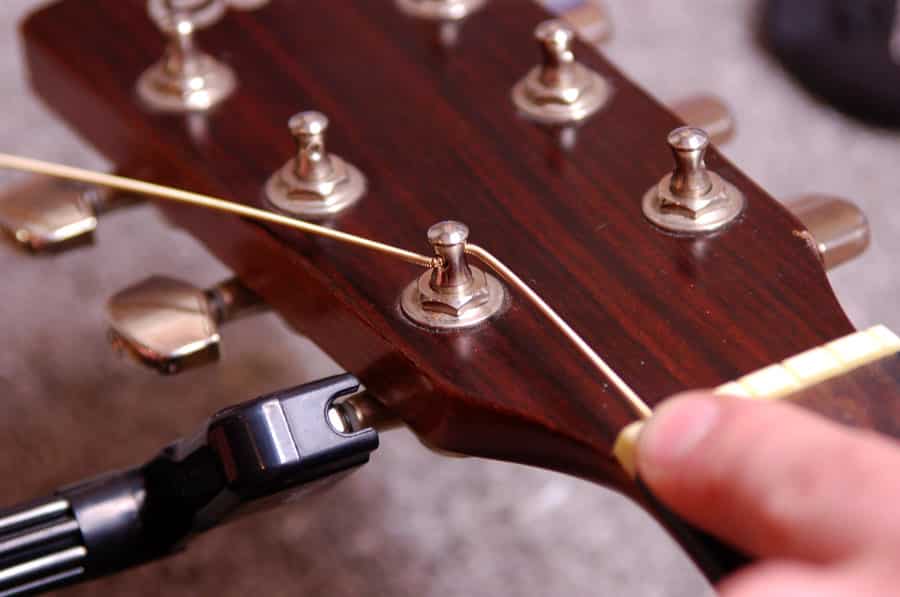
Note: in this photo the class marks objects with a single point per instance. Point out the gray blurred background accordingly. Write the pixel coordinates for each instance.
(411, 523)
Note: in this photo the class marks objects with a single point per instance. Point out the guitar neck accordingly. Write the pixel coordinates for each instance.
(857, 384)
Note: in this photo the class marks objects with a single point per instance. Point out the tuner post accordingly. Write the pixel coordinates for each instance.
(454, 295)
(446, 14)
(186, 79)
(440, 11)
(692, 199)
(314, 184)
(560, 91)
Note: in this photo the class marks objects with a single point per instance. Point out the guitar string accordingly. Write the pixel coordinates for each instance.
(154, 190)
(122, 183)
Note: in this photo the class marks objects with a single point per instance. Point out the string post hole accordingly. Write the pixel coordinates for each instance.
(454, 294)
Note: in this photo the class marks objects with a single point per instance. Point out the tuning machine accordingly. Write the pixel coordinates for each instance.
(454, 295)
(836, 228)
(560, 91)
(314, 184)
(692, 199)
(186, 79)
(590, 18)
(49, 215)
(446, 14)
(170, 325)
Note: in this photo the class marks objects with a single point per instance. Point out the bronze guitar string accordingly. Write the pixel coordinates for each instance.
(639, 406)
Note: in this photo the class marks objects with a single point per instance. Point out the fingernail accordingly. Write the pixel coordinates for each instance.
(673, 432)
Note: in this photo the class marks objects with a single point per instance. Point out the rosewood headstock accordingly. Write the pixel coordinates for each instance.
(435, 133)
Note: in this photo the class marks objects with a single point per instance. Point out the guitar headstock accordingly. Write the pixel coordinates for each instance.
(433, 130)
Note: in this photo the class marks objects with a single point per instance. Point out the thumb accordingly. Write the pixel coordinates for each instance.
(770, 478)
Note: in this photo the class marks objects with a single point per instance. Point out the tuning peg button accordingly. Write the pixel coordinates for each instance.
(560, 90)
(692, 199)
(709, 113)
(314, 184)
(838, 229)
(170, 325)
(590, 18)
(47, 214)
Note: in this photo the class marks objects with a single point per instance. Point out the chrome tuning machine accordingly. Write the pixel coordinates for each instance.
(447, 14)
(314, 184)
(591, 21)
(170, 325)
(560, 91)
(692, 199)
(836, 228)
(454, 295)
(186, 79)
(50, 215)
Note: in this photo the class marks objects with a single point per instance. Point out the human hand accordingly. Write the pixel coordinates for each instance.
(818, 504)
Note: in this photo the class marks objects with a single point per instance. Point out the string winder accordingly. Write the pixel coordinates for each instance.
(541, 351)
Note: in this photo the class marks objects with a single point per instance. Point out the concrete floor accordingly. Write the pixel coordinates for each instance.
(411, 523)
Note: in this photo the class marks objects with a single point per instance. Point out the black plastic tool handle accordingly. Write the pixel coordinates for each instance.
(259, 453)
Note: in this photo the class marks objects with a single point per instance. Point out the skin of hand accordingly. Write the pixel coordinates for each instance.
(817, 504)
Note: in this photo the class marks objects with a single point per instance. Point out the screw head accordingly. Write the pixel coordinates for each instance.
(308, 123)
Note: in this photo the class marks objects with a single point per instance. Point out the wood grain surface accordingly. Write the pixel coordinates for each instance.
(436, 135)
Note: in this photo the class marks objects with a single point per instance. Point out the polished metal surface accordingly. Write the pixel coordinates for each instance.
(32, 538)
(202, 13)
(361, 411)
(709, 113)
(838, 229)
(592, 22)
(186, 79)
(44, 565)
(440, 10)
(46, 214)
(32, 514)
(314, 184)
(40, 546)
(692, 199)
(559, 91)
(171, 325)
(454, 295)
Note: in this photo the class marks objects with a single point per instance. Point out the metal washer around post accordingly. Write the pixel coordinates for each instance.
(314, 184)
(456, 296)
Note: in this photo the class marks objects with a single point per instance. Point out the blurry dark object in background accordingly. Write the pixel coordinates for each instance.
(846, 51)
